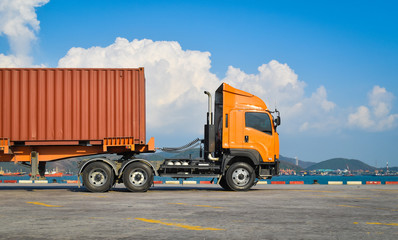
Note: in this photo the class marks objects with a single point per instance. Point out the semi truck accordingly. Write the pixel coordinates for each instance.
(51, 114)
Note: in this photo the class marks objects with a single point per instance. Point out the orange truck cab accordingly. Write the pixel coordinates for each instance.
(240, 145)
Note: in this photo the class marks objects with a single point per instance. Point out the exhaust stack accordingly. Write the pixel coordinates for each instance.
(210, 135)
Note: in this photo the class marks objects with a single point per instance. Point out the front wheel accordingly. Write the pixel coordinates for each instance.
(223, 183)
(240, 176)
(138, 177)
(98, 177)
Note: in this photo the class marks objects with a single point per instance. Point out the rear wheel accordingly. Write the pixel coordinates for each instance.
(240, 176)
(138, 177)
(98, 177)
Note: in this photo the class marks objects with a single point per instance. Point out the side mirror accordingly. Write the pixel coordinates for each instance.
(277, 121)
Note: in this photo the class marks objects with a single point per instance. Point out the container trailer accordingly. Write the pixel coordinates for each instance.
(50, 114)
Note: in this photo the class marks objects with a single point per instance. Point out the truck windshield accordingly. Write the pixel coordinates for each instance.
(258, 121)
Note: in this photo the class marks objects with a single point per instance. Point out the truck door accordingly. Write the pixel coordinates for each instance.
(235, 122)
(258, 134)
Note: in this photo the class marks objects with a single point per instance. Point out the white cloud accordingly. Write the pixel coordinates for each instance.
(18, 22)
(377, 116)
(277, 84)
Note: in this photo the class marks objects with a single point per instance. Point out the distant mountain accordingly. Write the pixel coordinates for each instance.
(13, 167)
(341, 163)
(302, 164)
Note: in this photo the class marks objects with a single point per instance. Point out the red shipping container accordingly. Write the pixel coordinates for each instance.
(56, 106)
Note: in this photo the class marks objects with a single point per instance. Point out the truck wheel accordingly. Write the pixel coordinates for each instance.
(240, 176)
(138, 177)
(223, 183)
(98, 177)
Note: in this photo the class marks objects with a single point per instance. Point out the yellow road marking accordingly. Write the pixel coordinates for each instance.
(349, 206)
(189, 227)
(43, 204)
(377, 223)
(178, 203)
(387, 224)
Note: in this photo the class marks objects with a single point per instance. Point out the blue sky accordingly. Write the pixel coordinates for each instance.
(346, 48)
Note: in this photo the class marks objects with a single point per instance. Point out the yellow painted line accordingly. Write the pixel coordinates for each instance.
(377, 223)
(43, 204)
(386, 224)
(349, 206)
(178, 203)
(188, 227)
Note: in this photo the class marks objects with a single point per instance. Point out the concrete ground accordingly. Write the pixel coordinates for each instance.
(56, 211)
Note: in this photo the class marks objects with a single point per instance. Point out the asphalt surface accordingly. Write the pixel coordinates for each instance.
(56, 211)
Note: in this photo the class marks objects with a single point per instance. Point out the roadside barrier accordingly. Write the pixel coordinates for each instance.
(262, 182)
(25, 181)
(10, 181)
(354, 183)
(205, 182)
(172, 182)
(296, 182)
(278, 182)
(41, 181)
(189, 182)
(392, 182)
(72, 181)
(335, 182)
(373, 182)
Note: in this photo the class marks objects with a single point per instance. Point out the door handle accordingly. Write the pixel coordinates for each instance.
(246, 138)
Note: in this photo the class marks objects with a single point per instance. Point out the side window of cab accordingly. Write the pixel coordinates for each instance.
(258, 121)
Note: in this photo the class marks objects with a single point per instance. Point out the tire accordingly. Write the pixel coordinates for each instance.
(98, 177)
(240, 176)
(138, 177)
(223, 183)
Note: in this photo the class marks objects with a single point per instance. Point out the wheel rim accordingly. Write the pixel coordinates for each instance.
(138, 177)
(97, 177)
(240, 176)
